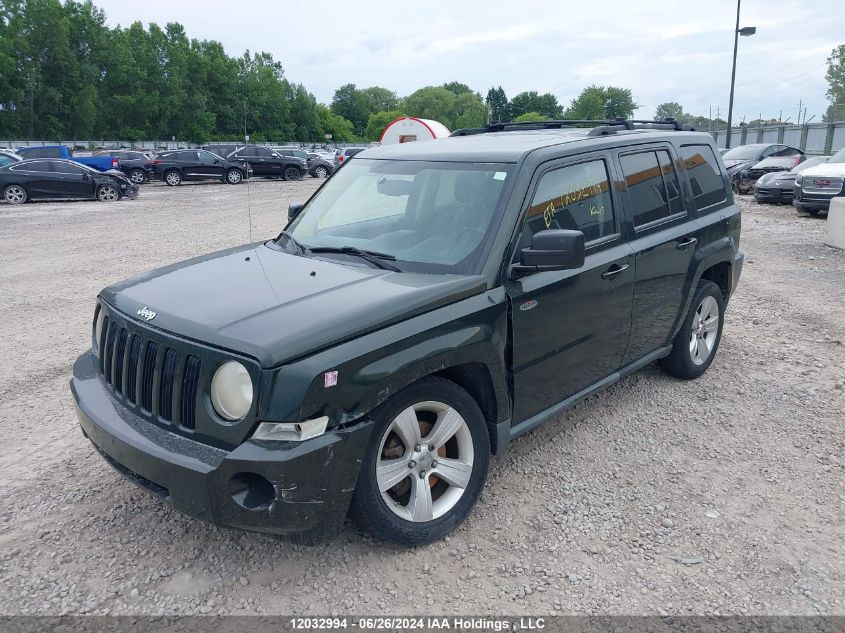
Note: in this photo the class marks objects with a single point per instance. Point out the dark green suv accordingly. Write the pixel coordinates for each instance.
(428, 304)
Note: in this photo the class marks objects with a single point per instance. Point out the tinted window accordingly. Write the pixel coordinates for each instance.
(6, 160)
(575, 197)
(207, 158)
(653, 189)
(263, 152)
(186, 156)
(40, 152)
(705, 175)
(783, 150)
(36, 165)
(67, 168)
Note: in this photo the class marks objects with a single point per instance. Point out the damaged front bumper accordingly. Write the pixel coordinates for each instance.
(298, 489)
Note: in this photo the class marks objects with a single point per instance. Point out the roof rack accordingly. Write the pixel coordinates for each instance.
(600, 127)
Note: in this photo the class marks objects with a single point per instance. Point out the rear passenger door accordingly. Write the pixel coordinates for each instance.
(570, 327)
(664, 238)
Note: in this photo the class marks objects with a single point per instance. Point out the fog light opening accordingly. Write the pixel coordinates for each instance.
(251, 491)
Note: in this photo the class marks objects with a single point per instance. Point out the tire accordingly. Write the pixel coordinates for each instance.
(107, 193)
(292, 173)
(813, 212)
(234, 176)
(173, 178)
(138, 176)
(698, 340)
(424, 504)
(321, 172)
(15, 194)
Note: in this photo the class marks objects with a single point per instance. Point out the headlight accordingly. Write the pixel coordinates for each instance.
(798, 180)
(98, 327)
(231, 391)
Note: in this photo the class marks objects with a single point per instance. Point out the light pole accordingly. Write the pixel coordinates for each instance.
(745, 32)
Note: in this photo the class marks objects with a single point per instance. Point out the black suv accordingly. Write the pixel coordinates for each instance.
(427, 305)
(196, 164)
(270, 163)
(134, 164)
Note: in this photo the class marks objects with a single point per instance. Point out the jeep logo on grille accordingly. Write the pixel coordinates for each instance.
(146, 314)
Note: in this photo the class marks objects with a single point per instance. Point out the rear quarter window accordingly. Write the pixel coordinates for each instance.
(705, 175)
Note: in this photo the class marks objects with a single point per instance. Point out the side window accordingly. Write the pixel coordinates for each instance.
(705, 175)
(36, 165)
(263, 152)
(670, 179)
(575, 197)
(647, 191)
(67, 168)
(207, 158)
(783, 150)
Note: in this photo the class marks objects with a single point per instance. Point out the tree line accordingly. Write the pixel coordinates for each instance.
(65, 74)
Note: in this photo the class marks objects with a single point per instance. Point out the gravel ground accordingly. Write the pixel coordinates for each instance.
(724, 495)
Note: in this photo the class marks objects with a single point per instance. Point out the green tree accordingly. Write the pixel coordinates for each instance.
(380, 120)
(545, 104)
(497, 105)
(530, 116)
(352, 104)
(599, 102)
(432, 102)
(836, 84)
(469, 111)
(669, 110)
(457, 88)
(341, 129)
(379, 99)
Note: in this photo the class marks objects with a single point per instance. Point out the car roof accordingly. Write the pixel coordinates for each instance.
(511, 146)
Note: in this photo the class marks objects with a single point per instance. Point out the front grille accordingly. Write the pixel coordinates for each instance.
(165, 379)
(821, 185)
(149, 375)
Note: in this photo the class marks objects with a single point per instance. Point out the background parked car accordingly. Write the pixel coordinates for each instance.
(743, 179)
(100, 163)
(222, 149)
(745, 156)
(776, 186)
(345, 153)
(270, 163)
(196, 164)
(135, 165)
(8, 157)
(815, 188)
(319, 166)
(54, 178)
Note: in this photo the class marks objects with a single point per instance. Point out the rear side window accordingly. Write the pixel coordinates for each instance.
(705, 175)
(575, 197)
(652, 183)
(40, 152)
(36, 165)
(67, 168)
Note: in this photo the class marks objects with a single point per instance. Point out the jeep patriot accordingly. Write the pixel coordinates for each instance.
(428, 304)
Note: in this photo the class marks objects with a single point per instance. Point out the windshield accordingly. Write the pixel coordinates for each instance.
(743, 152)
(431, 216)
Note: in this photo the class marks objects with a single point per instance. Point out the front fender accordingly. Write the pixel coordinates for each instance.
(373, 367)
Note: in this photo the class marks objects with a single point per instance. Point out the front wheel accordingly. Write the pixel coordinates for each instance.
(107, 193)
(234, 176)
(292, 173)
(425, 466)
(15, 194)
(698, 340)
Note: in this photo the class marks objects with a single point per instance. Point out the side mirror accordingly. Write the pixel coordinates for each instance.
(275, 155)
(293, 211)
(216, 161)
(553, 249)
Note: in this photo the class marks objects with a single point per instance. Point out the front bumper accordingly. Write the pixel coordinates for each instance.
(773, 194)
(310, 483)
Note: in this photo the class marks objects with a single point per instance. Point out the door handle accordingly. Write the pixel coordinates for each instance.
(614, 270)
(682, 246)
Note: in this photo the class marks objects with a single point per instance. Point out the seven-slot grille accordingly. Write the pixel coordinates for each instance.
(154, 377)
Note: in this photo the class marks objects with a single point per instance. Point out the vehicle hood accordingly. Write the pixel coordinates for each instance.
(733, 163)
(778, 176)
(835, 170)
(273, 306)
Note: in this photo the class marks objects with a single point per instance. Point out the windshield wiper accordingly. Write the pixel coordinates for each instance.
(374, 257)
(301, 249)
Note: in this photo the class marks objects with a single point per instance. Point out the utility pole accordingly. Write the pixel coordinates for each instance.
(745, 32)
(800, 103)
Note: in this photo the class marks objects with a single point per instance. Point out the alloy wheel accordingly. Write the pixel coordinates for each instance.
(173, 178)
(425, 461)
(15, 195)
(704, 330)
(234, 176)
(321, 172)
(107, 193)
(137, 176)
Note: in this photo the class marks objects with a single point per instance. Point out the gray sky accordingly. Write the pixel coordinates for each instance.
(664, 51)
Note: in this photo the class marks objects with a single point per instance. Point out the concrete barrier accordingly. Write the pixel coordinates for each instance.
(836, 224)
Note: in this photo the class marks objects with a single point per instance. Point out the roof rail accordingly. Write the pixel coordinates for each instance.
(601, 127)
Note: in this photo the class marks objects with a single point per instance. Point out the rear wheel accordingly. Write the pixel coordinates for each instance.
(698, 340)
(173, 178)
(292, 173)
(234, 176)
(15, 194)
(107, 193)
(137, 176)
(321, 172)
(425, 466)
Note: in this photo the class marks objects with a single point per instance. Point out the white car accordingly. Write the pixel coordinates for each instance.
(815, 187)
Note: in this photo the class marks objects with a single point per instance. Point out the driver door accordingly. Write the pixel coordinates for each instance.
(210, 166)
(570, 327)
